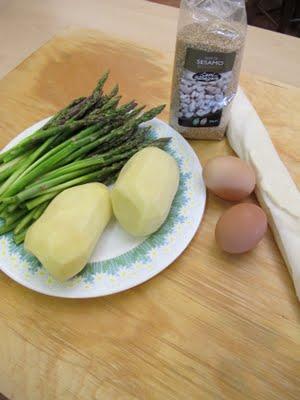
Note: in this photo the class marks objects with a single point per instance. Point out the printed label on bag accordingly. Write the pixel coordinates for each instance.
(203, 87)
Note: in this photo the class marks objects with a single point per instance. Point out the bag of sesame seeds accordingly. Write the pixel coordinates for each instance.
(210, 41)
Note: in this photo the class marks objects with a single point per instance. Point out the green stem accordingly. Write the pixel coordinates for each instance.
(36, 137)
(22, 227)
(107, 158)
(20, 237)
(49, 160)
(40, 200)
(41, 187)
(92, 177)
(39, 210)
(63, 115)
(42, 134)
(4, 213)
(16, 216)
(12, 207)
(5, 187)
(25, 221)
(54, 157)
(93, 99)
(7, 228)
(12, 166)
(86, 146)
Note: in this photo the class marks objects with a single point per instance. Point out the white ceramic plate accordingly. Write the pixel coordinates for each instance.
(120, 261)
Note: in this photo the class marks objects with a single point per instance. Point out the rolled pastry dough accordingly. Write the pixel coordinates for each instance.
(275, 190)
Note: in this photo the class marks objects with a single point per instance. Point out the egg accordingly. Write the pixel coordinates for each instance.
(229, 177)
(241, 228)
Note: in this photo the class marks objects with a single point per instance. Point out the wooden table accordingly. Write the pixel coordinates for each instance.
(211, 326)
(26, 25)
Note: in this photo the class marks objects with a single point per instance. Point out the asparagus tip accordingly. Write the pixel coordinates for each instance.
(114, 90)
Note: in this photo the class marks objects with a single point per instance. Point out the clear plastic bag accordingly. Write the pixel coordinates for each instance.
(210, 40)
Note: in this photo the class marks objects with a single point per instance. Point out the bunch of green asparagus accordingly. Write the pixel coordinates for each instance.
(89, 140)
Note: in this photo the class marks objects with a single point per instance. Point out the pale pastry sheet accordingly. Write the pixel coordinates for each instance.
(275, 190)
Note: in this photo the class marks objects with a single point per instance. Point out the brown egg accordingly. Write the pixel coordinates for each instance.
(229, 178)
(241, 228)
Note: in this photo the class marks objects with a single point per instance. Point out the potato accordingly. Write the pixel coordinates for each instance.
(64, 237)
(144, 191)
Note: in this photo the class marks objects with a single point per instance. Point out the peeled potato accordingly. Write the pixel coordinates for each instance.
(64, 237)
(144, 191)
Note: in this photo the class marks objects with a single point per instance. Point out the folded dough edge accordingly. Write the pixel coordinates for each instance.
(275, 189)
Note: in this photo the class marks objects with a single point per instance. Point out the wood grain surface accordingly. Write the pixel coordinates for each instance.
(211, 326)
(27, 25)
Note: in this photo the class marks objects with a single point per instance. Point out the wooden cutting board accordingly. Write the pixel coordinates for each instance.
(211, 326)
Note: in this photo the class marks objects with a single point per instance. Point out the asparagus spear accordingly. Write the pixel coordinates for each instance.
(25, 174)
(93, 99)
(24, 164)
(25, 221)
(41, 134)
(63, 115)
(11, 166)
(93, 161)
(7, 227)
(15, 216)
(110, 104)
(112, 93)
(92, 147)
(30, 141)
(97, 176)
(40, 187)
(89, 140)
(83, 169)
(99, 159)
(116, 135)
(20, 237)
(20, 231)
(73, 109)
(40, 200)
(46, 163)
